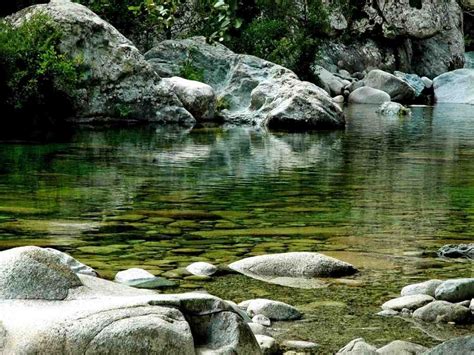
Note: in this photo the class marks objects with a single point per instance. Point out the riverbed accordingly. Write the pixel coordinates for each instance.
(384, 194)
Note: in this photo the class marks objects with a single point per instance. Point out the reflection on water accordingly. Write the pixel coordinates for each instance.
(377, 195)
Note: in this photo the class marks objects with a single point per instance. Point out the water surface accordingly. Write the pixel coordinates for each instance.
(383, 194)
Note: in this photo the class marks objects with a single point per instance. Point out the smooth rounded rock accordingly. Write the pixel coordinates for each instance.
(399, 347)
(455, 290)
(202, 269)
(274, 310)
(35, 273)
(443, 312)
(409, 302)
(368, 95)
(358, 347)
(398, 89)
(455, 87)
(422, 288)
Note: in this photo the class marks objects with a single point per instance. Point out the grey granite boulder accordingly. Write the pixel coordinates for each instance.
(413, 80)
(399, 347)
(250, 90)
(455, 290)
(31, 273)
(198, 98)
(455, 87)
(398, 89)
(409, 302)
(79, 314)
(297, 269)
(358, 347)
(75, 265)
(368, 95)
(118, 82)
(422, 288)
(459, 346)
(331, 83)
(273, 310)
(443, 312)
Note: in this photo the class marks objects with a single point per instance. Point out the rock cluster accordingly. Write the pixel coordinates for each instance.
(45, 307)
(437, 301)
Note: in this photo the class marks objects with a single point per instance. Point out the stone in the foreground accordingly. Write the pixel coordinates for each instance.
(455, 290)
(443, 312)
(399, 347)
(249, 89)
(369, 96)
(273, 310)
(47, 309)
(119, 82)
(300, 266)
(455, 87)
(409, 302)
(422, 288)
(357, 347)
(458, 346)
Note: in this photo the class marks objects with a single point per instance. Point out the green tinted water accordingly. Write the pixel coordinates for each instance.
(383, 195)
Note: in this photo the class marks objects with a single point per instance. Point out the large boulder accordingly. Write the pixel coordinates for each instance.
(455, 290)
(456, 87)
(398, 89)
(459, 346)
(249, 90)
(370, 96)
(118, 82)
(445, 50)
(300, 267)
(81, 314)
(444, 312)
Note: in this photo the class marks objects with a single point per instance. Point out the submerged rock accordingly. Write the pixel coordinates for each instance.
(457, 251)
(398, 89)
(422, 288)
(407, 302)
(368, 95)
(393, 109)
(293, 269)
(274, 310)
(456, 87)
(442, 311)
(89, 315)
(201, 269)
(118, 81)
(250, 90)
(455, 290)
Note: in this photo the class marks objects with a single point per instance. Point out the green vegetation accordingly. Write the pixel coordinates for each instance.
(36, 80)
(190, 72)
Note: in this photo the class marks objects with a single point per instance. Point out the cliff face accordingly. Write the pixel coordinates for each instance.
(421, 36)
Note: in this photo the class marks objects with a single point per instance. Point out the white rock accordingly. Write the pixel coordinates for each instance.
(300, 346)
(267, 344)
(274, 310)
(261, 319)
(422, 288)
(455, 87)
(409, 302)
(201, 269)
(133, 275)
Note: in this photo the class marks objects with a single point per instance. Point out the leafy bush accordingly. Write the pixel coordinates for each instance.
(37, 82)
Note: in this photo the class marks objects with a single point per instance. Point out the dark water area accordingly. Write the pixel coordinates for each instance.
(384, 194)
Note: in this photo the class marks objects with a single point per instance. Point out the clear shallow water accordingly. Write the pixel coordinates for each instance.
(384, 194)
